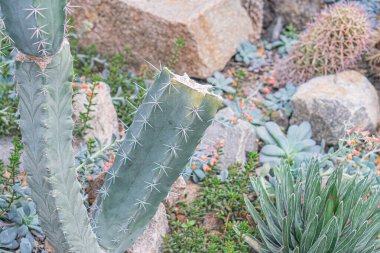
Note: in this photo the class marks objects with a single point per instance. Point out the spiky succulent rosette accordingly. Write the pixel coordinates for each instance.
(314, 215)
(333, 43)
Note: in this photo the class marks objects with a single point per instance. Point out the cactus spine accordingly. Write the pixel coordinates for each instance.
(167, 128)
(43, 73)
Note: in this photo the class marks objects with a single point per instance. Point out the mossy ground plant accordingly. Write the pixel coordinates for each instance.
(225, 201)
(8, 110)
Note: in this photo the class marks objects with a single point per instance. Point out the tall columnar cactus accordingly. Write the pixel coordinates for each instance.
(332, 44)
(167, 128)
(43, 73)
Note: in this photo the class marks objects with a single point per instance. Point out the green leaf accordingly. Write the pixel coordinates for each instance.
(309, 235)
(272, 150)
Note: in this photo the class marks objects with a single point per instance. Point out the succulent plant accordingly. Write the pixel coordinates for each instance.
(24, 219)
(359, 165)
(246, 110)
(283, 45)
(357, 153)
(8, 238)
(221, 83)
(92, 157)
(281, 100)
(310, 216)
(295, 147)
(246, 52)
(203, 156)
(175, 113)
(290, 31)
(167, 128)
(257, 63)
(332, 44)
(16, 237)
(16, 232)
(24, 213)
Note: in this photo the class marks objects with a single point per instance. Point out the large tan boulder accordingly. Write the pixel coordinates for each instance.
(212, 30)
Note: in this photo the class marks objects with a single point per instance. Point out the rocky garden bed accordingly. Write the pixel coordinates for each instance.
(289, 163)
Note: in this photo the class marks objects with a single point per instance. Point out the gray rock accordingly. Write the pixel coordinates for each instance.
(5, 148)
(296, 12)
(238, 139)
(331, 102)
(152, 238)
(212, 30)
(105, 121)
(177, 192)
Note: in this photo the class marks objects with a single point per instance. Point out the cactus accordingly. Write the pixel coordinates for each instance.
(311, 216)
(35, 26)
(332, 44)
(221, 84)
(281, 100)
(43, 75)
(167, 128)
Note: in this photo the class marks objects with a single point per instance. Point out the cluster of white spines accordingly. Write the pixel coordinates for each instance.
(38, 31)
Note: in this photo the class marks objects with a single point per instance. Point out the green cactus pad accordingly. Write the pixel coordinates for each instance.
(37, 27)
(167, 128)
(46, 126)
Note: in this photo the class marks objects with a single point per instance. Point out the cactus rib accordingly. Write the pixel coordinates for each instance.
(46, 126)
